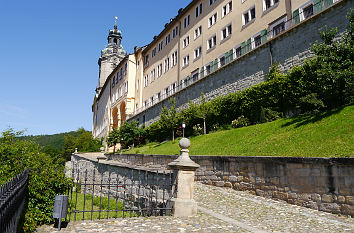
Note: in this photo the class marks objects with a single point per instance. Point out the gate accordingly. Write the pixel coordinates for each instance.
(120, 192)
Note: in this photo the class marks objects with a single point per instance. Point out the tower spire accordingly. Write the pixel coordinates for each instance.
(115, 24)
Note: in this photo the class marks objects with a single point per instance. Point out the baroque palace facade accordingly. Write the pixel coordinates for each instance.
(203, 37)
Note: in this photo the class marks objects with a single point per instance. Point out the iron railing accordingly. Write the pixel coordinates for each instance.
(12, 201)
(123, 193)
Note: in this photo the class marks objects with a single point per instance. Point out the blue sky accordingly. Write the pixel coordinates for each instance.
(49, 51)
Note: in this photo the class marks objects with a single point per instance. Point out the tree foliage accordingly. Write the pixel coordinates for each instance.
(46, 178)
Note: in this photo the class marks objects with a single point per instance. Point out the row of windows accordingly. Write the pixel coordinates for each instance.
(170, 90)
(168, 63)
(120, 91)
(120, 75)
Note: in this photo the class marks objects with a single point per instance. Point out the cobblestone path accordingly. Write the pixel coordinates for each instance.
(225, 210)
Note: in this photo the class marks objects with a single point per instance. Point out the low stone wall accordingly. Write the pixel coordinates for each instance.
(132, 182)
(325, 184)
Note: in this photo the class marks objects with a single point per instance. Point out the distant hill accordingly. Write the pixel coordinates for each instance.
(55, 141)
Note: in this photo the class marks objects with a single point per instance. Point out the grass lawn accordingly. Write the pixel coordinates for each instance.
(329, 134)
(96, 207)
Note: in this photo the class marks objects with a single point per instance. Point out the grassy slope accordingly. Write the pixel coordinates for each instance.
(329, 134)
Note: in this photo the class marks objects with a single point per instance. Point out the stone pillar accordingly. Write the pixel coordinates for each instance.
(184, 204)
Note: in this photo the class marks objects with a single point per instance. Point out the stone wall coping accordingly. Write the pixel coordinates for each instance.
(124, 165)
(255, 159)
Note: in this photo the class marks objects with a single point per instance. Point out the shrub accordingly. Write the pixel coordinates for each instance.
(241, 121)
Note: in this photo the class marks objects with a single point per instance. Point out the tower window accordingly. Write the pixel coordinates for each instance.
(115, 40)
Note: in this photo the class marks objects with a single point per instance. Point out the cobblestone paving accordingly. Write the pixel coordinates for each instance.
(224, 210)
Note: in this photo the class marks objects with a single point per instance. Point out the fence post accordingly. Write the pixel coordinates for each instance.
(183, 203)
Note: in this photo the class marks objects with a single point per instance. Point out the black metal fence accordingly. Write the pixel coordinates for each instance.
(120, 193)
(12, 201)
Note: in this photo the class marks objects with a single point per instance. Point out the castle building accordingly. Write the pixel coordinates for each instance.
(204, 36)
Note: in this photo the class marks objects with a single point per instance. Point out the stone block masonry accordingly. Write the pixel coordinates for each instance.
(325, 184)
(289, 49)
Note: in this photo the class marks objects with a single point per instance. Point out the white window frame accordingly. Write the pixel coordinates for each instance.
(160, 45)
(167, 64)
(239, 46)
(253, 41)
(185, 60)
(174, 59)
(227, 9)
(198, 10)
(167, 39)
(213, 42)
(186, 21)
(175, 32)
(159, 70)
(228, 29)
(146, 80)
(301, 9)
(186, 41)
(213, 19)
(276, 23)
(198, 32)
(197, 52)
(153, 75)
(272, 3)
(248, 12)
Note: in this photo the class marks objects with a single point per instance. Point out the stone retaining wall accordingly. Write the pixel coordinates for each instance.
(325, 184)
(289, 49)
(133, 182)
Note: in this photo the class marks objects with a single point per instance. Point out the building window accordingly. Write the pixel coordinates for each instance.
(160, 46)
(197, 52)
(306, 12)
(195, 75)
(166, 91)
(158, 96)
(146, 62)
(268, 4)
(167, 64)
(174, 32)
(197, 32)
(117, 77)
(126, 86)
(211, 2)
(174, 58)
(137, 85)
(153, 75)
(168, 39)
(186, 61)
(146, 80)
(227, 9)
(222, 61)
(125, 68)
(238, 51)
(186, 42)
(153, 53)
(211, 42)
(257, 41)
(278, 27)
(186, 21)
(151, 100)
(159, 70)
(226, 32)
(212, 20)
(198, 10)
(207, 69)
(249, 15)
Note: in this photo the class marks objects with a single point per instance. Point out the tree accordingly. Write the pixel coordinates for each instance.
(168, 117)
(113, 138)
(204, 111)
